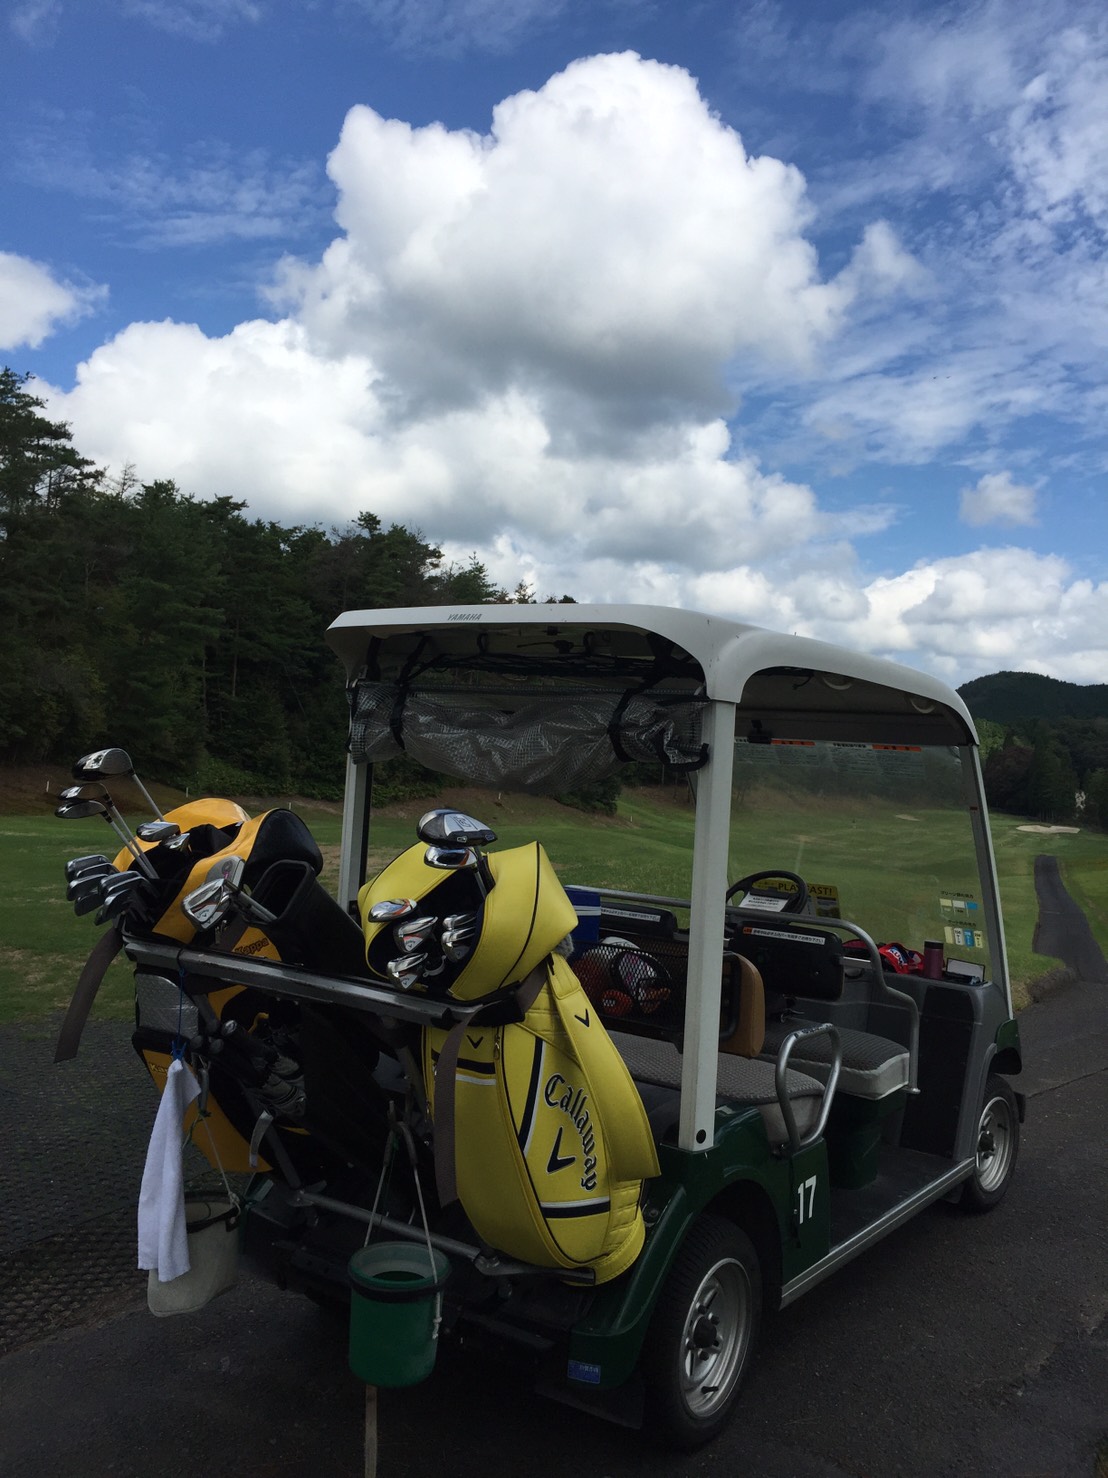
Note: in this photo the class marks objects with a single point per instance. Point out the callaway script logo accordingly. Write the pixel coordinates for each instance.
(562, 1095)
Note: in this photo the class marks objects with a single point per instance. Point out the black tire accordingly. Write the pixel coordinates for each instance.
(997, 1146)
(703, 1334)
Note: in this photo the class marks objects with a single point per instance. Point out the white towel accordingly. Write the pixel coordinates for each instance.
(162, 1235)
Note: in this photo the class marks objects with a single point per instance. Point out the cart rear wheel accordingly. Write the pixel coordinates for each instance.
(998, 1138)
(703, 1334)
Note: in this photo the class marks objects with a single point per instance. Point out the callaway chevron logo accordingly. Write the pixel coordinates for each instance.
(560, 1094)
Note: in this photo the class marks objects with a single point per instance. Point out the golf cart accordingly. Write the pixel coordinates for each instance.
(786, 967)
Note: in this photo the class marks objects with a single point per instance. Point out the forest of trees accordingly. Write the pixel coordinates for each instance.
(134, 614)
(1053, 769)
(1045, 745)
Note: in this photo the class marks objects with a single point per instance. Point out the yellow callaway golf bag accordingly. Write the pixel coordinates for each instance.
(539, 1131)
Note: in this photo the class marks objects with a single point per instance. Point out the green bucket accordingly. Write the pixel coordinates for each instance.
(396, 1295)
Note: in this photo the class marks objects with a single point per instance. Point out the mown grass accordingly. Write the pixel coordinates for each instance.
(876, 863)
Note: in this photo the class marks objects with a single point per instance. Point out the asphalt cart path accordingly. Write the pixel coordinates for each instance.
(1062, 929)
(960, 1345)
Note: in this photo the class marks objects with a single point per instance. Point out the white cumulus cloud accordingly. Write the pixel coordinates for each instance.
(609, 245)
(34, 303)
(524, 334)
(525, 343)
(997, 499)
(980, 612)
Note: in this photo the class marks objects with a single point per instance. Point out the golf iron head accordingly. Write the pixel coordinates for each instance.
(77, 865)
(412, 934)
(88, 881)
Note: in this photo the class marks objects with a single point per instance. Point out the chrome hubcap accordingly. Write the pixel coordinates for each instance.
(994, 1144)
(716, 1337)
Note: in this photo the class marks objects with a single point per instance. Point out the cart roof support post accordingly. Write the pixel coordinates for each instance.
(699, 1063)
(986, 866)
(355, 834)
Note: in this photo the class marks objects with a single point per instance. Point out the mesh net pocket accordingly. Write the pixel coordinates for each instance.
(636, 987)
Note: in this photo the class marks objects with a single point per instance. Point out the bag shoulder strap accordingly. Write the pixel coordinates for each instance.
(446, 1179)
(95, 968)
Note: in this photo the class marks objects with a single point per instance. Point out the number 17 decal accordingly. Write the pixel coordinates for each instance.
(804, 1212)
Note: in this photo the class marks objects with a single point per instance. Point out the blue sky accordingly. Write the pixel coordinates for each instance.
(797, 313)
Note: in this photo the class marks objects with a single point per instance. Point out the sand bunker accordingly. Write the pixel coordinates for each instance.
(1049, 830)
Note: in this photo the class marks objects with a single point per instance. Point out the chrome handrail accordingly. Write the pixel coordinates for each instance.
(780, 1082)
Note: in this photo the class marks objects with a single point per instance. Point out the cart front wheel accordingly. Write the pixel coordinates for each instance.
(703, 1334)
(998, 1138)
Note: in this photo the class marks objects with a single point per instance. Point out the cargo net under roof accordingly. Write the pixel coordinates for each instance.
(545, 743)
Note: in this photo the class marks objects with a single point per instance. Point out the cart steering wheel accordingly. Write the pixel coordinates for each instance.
(796, 904)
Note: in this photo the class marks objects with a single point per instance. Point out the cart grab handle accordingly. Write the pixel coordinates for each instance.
(796, 1143)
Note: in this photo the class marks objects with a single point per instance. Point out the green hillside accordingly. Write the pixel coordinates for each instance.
(1020, 697)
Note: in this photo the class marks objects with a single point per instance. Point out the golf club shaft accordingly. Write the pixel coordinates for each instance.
(150, 801)
(140, 857)
(123, 830)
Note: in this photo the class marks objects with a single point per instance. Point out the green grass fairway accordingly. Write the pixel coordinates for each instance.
(646, 847)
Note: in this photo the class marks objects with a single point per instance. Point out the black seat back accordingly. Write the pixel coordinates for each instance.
(793, 961)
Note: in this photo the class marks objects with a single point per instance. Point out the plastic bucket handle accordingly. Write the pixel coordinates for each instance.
(230, 1215)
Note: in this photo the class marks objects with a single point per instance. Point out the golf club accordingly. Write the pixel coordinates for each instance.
(124, 882)
(118, 894)
(451, 858)
(95, 790)
(157, 831)
(87, 880)
(77, 809)
(446, 828)
(407, 970)
(113, 909)
(163, 834)
(458, 933)
(392, 909)
(209, 904)
(112, 762)
(76, 865)
(412, 933)
(87, 902)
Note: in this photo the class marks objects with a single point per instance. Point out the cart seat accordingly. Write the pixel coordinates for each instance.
(739, 1080)
(872, 1066)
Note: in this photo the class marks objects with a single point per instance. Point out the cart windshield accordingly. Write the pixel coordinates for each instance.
(880, 833)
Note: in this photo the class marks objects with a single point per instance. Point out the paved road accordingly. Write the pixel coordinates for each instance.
(961, 1345)
(1062, 929)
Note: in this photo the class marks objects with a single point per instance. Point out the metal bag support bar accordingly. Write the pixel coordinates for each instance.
(305, 985)
(484, 1262)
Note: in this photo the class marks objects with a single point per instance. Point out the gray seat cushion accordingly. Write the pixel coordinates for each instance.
(872, 1066)
(742, 1080)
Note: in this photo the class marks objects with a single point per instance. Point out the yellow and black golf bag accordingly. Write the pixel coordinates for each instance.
(539, 1129)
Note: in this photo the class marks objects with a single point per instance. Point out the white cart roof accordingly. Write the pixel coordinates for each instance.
(792, 686)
